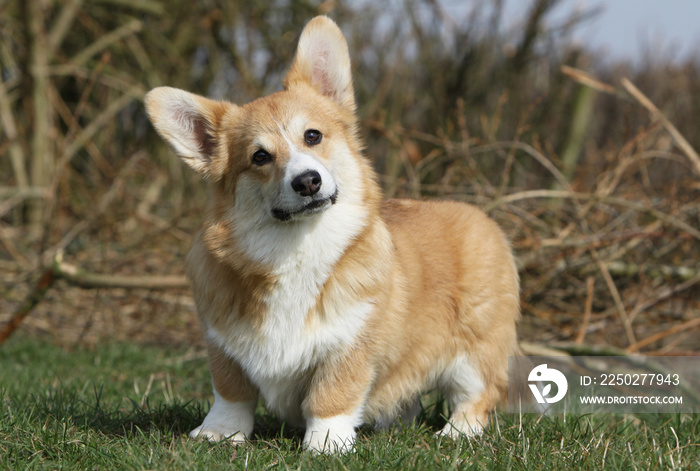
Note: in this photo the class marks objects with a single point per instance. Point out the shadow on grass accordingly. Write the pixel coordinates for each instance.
(129, 417)
(121, 419)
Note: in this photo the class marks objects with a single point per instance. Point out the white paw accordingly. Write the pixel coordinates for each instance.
(463, 429)
(331, 435)
(227, 421)
(217, 434)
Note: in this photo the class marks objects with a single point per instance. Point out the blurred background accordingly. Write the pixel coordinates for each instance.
(572, 124)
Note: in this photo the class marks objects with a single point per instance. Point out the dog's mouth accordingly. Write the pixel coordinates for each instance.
(314, 206)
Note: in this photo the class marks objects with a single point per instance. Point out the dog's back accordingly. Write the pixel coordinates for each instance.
(456, 292)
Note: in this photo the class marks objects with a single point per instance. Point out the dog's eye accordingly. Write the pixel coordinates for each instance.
(312, 137)
(261, 157)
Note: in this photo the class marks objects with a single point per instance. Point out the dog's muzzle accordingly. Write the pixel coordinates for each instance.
(312, 207)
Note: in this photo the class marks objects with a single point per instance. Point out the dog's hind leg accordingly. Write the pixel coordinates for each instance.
(411, 411)
(469, 398)
(406, 415)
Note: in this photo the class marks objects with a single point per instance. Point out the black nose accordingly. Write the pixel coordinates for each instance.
(308, 183)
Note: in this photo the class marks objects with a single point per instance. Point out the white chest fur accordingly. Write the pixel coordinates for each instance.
(277, 361)
(277, 354)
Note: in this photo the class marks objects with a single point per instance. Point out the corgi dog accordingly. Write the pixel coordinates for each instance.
(334, 306)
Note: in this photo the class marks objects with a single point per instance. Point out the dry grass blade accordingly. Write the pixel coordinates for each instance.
(619, 304)
(672, 130)
(688, 325)
(586, 79)
(665, 294)
(587, 310)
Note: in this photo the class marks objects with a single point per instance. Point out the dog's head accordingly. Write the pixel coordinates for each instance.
(284, 157)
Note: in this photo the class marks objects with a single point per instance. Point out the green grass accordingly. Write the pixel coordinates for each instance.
(130, 407)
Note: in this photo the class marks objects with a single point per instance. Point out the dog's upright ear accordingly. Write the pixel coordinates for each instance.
(189, 123)
(322, 60)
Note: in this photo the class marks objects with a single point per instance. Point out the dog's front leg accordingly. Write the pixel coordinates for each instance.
(335, 404)
(235, 398)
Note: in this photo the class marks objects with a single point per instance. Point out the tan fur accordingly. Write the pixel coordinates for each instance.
(453, 291)
(439, 276)
(228, 377)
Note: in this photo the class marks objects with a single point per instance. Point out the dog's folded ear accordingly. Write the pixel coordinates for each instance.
(322, 60)
(188, 123)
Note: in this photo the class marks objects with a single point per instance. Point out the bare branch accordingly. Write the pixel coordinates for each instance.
(85, 279)
(107, 40)
(145, 6)
(10, 127)
(33, 298)
(63, 23)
